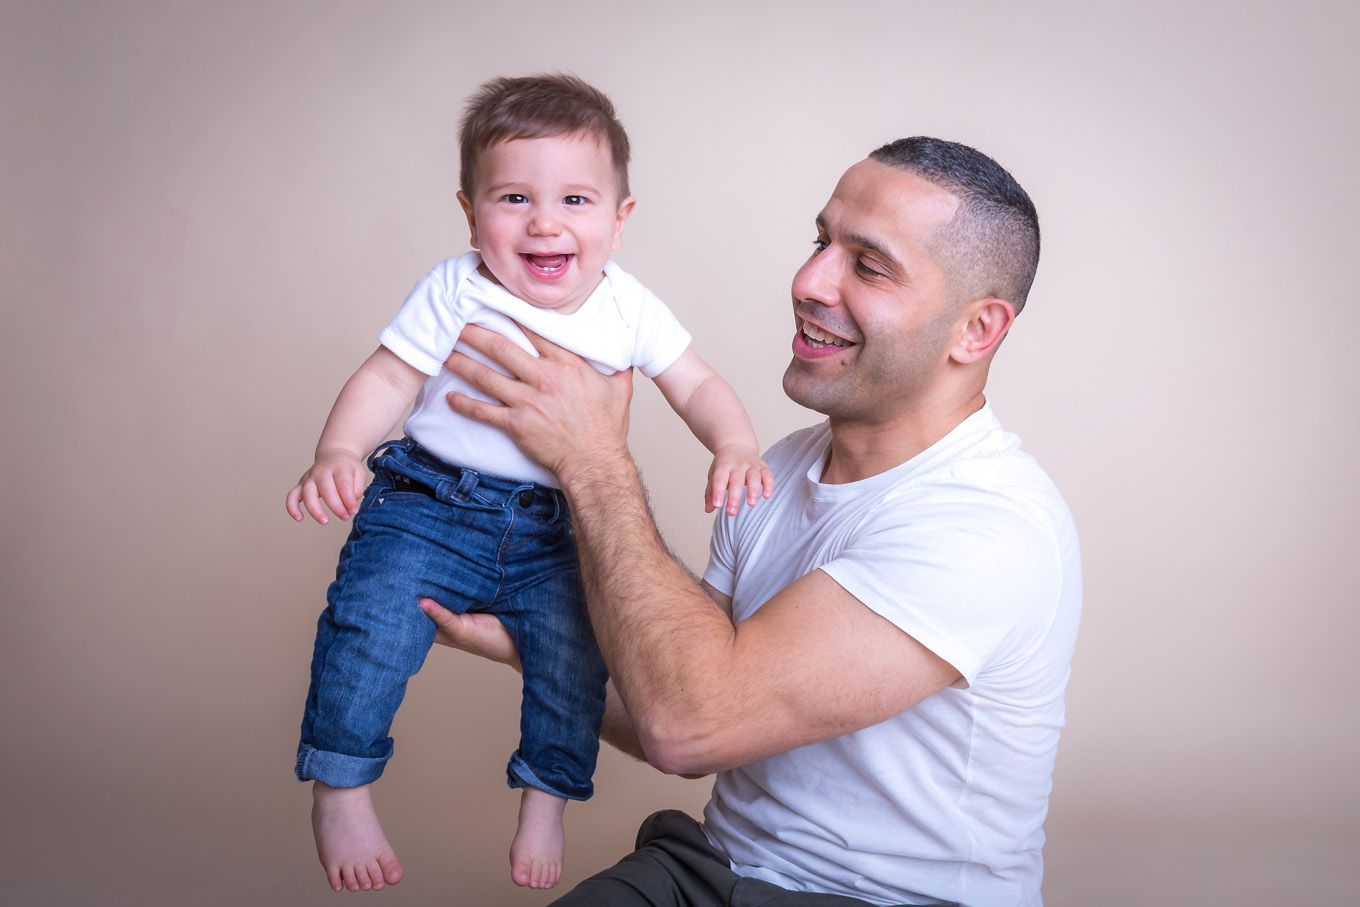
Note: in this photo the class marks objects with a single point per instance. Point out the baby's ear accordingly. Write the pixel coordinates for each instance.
(625, 210)
(471, 217)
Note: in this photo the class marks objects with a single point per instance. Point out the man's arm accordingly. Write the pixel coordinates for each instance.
(483, 634)
(702, 694)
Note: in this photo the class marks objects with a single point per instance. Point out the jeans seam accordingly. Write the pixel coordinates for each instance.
(500, 552)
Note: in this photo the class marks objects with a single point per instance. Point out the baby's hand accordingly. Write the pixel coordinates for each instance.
(338, 479)
(736, 470)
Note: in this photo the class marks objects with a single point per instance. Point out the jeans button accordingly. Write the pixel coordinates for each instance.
(526, 497)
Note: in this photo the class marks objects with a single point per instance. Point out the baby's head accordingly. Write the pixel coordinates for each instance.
(544, 184)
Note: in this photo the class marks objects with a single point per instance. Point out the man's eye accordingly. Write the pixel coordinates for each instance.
(574, 200)
(818, 245)
(514, 198)
(861, 267)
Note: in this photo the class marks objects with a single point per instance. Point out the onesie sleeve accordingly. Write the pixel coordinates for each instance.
(660, 338)
(425, 329)
(963, 577)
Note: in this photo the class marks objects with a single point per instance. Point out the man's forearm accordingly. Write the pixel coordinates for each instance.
(659, 631)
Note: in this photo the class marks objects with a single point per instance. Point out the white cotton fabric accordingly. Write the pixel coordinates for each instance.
(621, 325)
(969, 548)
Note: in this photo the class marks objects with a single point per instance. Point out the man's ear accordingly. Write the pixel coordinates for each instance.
(625, 209)
(986, 323)
(471, 218)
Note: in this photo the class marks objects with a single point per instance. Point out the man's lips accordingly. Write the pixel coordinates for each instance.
(819, 337)
(546, 267)
(812, 342)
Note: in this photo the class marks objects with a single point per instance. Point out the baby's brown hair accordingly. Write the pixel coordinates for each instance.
(531, 107)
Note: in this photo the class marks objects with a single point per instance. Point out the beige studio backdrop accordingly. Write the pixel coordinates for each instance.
(210, 209)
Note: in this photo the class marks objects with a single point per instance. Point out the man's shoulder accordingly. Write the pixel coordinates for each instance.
(797, 446)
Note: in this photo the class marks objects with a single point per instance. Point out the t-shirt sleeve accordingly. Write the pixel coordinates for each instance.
(660, 337)
(722, 564)
(962, 578)
(425, 329)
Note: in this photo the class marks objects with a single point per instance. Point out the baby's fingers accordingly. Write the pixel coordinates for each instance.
(348, 484)
(736, 483)
(331, 495)
(766, 482)
(292, 501)
(755, 486)
(312, 502)
(716, 490)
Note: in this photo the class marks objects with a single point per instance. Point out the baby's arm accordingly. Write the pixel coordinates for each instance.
(370, 403)
(713, 412)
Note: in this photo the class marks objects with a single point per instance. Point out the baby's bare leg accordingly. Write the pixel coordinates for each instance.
(350, 841)
(536, 853)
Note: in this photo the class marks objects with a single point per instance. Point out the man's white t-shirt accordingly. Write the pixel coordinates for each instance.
(621, 325)
(968, 548)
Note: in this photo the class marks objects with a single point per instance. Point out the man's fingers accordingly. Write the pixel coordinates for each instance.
(490, 413)
(546, 348)
(436, 612)
(486, 379)
(496, 347)
(480, 634)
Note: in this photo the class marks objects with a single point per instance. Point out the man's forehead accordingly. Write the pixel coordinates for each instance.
(892, 205)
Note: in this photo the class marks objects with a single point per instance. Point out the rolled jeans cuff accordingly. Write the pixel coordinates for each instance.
(337, 769)
(519, 774)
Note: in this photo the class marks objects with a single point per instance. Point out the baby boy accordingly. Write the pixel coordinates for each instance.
(455, 511)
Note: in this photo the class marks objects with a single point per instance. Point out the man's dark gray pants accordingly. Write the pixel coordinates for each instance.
(674, 865)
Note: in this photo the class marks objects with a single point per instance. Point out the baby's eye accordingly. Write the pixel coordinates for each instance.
(515, 198)
(575, 200)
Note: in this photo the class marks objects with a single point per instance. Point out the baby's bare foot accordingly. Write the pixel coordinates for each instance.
(350, 841)
(536, 853)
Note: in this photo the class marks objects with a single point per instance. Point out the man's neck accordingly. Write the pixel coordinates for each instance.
(862, 449)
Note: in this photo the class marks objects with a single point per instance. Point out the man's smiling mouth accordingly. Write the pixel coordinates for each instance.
(819, 339)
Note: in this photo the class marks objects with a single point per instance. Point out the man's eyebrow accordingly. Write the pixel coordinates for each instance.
(864, 242)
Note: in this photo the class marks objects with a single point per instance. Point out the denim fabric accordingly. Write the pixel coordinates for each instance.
(471, 542)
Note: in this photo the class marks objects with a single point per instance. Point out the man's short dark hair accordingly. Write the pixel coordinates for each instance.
(535, 107)
(991, 247)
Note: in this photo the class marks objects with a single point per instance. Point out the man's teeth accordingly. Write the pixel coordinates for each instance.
(819, 338)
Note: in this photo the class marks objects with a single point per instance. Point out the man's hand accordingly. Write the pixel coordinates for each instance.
(480, 634)
(557, 408)
(338, 479)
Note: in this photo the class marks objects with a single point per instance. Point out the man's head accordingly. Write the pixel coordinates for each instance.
(923, 255)
(544, 186)
(530, 107)
(991, 247)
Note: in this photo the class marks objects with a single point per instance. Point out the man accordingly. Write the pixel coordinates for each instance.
(875, 660)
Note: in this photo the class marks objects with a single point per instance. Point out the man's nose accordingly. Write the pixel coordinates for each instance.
(816, 280)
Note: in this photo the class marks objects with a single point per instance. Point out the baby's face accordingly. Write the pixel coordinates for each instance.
(545, 215)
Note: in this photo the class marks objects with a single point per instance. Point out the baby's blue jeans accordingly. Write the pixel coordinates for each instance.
(471, 542)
